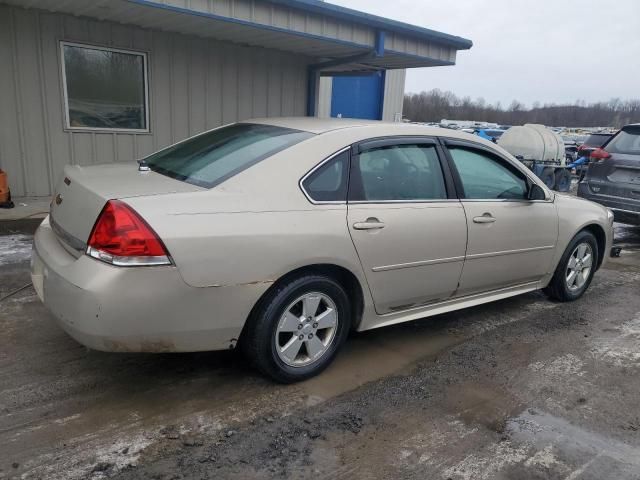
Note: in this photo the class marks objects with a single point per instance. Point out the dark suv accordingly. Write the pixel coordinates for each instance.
(613, 177)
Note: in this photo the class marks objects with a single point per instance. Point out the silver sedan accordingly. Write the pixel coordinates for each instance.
(283, 235)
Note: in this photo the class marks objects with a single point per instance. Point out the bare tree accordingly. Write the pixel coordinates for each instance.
(434, 105)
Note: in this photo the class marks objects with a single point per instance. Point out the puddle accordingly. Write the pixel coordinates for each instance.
(481, 404)
(375, 354)
(571, 441)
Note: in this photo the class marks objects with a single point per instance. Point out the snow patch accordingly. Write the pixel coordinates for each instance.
(544, 458)
(622, 349)
(566, 365)
(15, 249)
(477, 467)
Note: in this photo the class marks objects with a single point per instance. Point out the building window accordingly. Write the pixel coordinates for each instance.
(104, 88)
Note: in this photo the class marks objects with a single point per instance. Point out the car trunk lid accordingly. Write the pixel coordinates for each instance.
(83, 191)
(617, 176)
(624, 168)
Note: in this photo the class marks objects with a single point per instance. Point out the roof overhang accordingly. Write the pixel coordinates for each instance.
(323, 32)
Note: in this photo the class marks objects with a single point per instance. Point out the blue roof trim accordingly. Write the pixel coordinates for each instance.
(379, 48)
(331, 10)
(317, 6)
(439, 63)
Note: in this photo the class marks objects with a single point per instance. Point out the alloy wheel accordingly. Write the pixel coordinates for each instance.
(306, 329)
(579, 267)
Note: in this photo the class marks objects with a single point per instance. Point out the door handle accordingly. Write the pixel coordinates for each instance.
(370, 223)
(485, 218)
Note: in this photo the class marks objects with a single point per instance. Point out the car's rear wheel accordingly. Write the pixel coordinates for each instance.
(576, 268)
(297, 329)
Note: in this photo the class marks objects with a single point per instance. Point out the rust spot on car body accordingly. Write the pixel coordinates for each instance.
(257, 282)
(243, 284)
(144, 346)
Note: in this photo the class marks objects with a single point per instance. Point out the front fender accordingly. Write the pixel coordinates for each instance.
(576, 214)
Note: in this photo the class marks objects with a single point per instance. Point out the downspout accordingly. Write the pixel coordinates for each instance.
(313, 71)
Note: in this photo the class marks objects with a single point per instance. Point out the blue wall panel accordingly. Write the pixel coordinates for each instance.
(358, 97)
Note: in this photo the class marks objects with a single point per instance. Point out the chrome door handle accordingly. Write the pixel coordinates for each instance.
(485, 218)
(370, 223)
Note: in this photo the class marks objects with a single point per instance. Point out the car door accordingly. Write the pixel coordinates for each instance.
(511, 239)
(407, 226)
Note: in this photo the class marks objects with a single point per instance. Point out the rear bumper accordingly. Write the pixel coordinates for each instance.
(625, 210)
(135, 309)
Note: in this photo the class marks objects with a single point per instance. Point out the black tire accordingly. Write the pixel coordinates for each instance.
(548, 177)
(563, 180)
(558, 288)
(259, 338)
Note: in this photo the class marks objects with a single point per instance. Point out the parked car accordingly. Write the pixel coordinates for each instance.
(613, 176)
(492, 134)
(282, 235)
(593, 141)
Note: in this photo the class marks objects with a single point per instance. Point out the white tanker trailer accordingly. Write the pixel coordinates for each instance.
(542, 151)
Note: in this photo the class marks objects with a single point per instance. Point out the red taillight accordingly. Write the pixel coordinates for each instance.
(599, 154)
(121, 237)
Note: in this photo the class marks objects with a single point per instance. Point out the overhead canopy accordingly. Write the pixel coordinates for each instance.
(337, 38)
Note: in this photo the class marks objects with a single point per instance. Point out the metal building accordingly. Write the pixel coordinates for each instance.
(87, 82)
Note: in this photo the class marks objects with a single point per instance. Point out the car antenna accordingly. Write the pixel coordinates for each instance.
(143, 166)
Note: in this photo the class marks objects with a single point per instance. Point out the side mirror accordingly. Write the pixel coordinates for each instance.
(536, 192)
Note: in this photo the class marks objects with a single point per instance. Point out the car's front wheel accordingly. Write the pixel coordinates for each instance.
(297, 329)
(576, 268)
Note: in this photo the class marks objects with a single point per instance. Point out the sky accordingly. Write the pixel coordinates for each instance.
(549, 51)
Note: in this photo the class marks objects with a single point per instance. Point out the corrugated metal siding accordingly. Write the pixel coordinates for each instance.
(404, 44)
(325, 88)
(194, 84)
(273, 15)
(393, 95)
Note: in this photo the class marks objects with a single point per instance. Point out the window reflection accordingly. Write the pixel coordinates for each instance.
(105, 88)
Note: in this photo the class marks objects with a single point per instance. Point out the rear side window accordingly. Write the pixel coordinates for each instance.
(486, 177)
(625, 142)
(329, 182)
(211, 158)
(596, 140)
(398, 172)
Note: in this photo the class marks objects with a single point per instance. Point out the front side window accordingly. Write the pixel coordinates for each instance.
(398, 172)
(104, 88)
(329, 182)
(209, 159)
(486, 177)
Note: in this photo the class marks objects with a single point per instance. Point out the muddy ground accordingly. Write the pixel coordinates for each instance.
(521, 389)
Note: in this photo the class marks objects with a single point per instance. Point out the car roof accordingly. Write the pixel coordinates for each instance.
(314, 124)
(323, 125)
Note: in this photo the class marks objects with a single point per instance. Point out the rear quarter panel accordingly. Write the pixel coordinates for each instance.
(255, 227)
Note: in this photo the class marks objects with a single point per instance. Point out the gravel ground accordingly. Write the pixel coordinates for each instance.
(521, 388)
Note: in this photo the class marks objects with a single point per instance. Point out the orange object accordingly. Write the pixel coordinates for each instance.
(4, 187)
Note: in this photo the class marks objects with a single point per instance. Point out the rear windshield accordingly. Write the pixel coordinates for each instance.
(596, 140)
(211, 158)
(627, 141)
